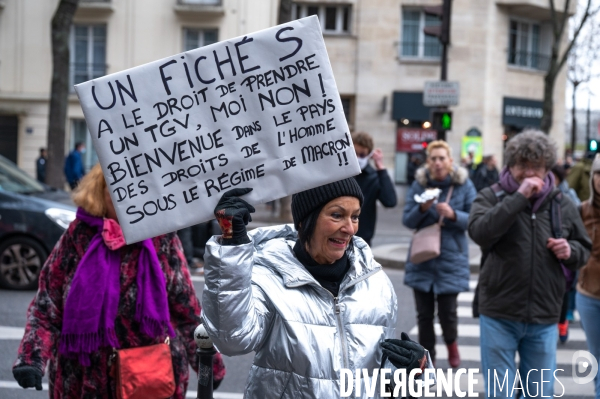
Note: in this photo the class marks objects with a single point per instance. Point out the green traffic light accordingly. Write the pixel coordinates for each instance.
(593, 145)
(446, 121)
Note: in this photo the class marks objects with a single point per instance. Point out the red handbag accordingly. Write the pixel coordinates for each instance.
(145, 372)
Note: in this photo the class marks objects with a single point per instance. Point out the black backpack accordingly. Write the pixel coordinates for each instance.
(555, 220)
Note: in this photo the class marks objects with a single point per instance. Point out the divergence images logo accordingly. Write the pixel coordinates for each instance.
(585, 367)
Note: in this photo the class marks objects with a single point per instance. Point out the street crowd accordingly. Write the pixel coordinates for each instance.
(309, 298)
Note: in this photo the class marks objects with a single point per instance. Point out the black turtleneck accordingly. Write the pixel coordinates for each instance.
(329, 276)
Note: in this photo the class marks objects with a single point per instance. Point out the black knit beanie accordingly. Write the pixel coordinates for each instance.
(307, 201)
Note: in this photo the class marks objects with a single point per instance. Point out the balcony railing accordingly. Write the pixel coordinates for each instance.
(189, 7)
(200, 2)
(82, 72)
(420, 50)
(525, 59)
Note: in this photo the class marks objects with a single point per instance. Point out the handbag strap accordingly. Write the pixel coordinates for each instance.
(447, 201)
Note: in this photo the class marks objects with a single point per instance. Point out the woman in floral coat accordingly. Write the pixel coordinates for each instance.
(96, 293)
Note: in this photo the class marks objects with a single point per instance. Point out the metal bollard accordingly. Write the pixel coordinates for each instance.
(206, 351)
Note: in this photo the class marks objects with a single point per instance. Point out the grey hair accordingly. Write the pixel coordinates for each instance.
(531, 146)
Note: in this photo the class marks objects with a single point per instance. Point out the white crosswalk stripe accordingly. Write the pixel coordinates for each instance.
(472, 330)
(11, 332)
(189, 394)
(468, 328)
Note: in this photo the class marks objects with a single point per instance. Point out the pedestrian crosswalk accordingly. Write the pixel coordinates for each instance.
(470, 351)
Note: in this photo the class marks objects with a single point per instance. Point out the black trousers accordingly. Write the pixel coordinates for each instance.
(446, 304)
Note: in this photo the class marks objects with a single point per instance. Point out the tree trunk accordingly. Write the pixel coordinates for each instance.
(548, 104)
(59, 95)
(574, 120)
(285, 203)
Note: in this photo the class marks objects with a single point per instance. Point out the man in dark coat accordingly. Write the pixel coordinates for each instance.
(522, 283)
(40, 166)
(74, 165)
(375, 184)
(486, 173)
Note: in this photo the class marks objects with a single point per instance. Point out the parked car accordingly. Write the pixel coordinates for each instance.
(33, 216)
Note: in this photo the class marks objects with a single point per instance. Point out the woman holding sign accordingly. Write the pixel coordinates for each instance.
(309, 302)
(97, 295)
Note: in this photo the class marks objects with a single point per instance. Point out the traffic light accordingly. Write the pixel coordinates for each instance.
(593, 145)
(442, 32)
(441, 120)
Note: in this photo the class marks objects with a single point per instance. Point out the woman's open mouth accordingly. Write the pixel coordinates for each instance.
(338, 243)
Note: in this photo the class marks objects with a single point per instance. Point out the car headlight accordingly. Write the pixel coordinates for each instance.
(61, 217)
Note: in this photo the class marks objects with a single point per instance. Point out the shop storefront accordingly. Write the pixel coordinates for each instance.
(412, 131)
(519, 114)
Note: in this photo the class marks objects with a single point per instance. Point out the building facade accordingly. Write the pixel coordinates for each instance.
(380, 57)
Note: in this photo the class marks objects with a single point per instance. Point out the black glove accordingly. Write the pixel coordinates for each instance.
(404, 353)
(216, 384)
(233, 214)
(28, 377)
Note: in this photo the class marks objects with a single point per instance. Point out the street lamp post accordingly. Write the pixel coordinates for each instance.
(205, 351)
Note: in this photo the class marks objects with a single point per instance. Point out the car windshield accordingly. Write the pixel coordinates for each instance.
(15, 180)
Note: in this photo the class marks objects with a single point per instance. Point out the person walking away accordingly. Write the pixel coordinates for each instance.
(568, 306)
(486, 173)
(74, 170)
(414, 163)
(309, 301)
(96, 293)
(588, 284)
(521, 285)
(40, 166)
(375, 184)
(580, 174)
(442, 278)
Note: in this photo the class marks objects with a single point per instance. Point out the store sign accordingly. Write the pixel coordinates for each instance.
(522, 113)
(411, 140)
(441, 94)
(472, 145)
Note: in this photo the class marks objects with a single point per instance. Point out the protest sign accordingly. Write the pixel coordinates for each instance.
(259, 111)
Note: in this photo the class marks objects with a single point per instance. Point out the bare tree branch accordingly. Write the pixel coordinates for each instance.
(586, 15)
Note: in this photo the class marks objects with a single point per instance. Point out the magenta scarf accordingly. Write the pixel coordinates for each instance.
(93, 301)
(510, 185)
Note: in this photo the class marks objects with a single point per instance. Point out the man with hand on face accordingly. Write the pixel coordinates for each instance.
(522, 282)
(375, 184)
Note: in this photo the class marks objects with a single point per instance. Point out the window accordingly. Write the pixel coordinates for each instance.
(524, 46)
(194, 38)
(333, 18)
(80, 134)
(415, 44)
(348, 108)
(88, 53)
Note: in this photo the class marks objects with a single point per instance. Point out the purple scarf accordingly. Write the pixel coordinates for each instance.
(510, 185)
(93, 300)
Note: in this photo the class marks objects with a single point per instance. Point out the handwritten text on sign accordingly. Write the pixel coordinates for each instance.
(259, 111)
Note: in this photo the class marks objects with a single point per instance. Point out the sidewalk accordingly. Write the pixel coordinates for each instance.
(391, 242)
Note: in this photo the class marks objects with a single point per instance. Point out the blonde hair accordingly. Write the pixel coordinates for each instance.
(434, 145)
(89, 193)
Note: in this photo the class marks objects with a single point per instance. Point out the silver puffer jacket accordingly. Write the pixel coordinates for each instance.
(258, 297)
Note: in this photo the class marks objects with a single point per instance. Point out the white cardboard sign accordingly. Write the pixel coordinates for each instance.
(259, 111)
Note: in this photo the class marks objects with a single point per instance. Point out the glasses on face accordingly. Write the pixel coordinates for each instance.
(537, 169)
(362, 154)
